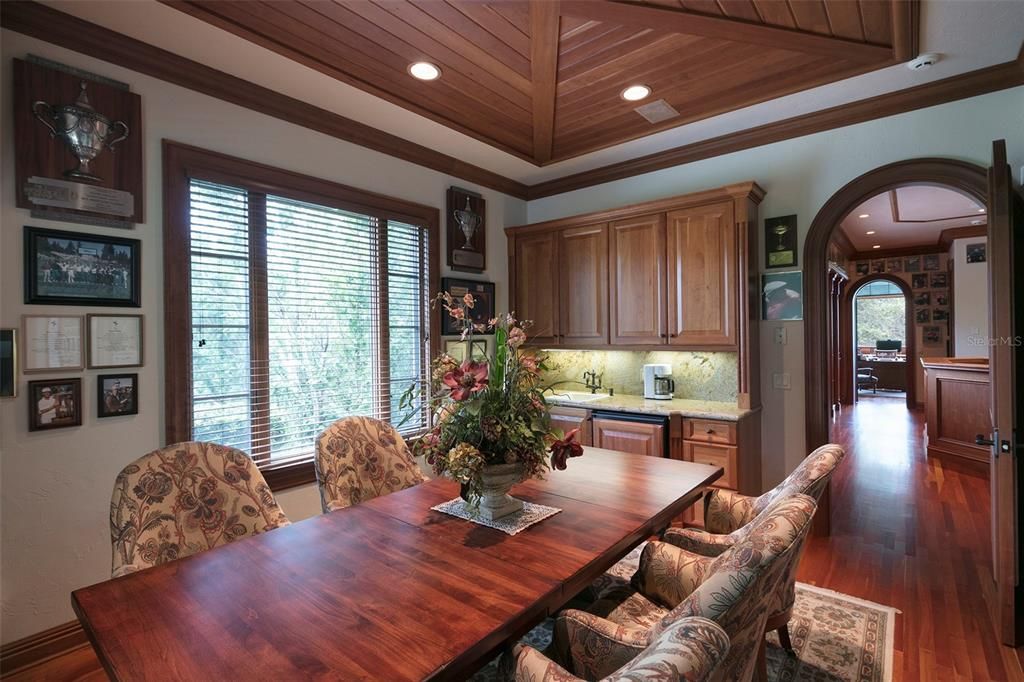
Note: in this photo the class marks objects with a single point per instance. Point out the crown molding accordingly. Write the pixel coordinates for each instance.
(947, 236)
(53, 26)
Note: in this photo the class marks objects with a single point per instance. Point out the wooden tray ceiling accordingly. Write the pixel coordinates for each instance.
(541, 79)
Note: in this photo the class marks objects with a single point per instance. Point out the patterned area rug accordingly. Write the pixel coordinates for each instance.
(837, 638)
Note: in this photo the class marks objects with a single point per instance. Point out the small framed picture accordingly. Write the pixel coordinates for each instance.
(863, 267)
(912, 264)
(923, 316)
(919, 281)
(894, 265)
(115, 341)
(941, 298)
(940, 314)
(782, 296)
(939, 280)
(75, 268)
(8, 363)
(976, 253)
(878, 267)
(780, 238)
(117, 395)
(54, 404)
(923, 298)
(481, 313)
(480, 350)
(931, 335)
(931, 262)
(52, 342)
(456, 349)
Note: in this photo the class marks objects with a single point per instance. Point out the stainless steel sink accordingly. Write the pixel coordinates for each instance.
(579, 396)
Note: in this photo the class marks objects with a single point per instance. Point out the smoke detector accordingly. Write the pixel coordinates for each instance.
(924, 61)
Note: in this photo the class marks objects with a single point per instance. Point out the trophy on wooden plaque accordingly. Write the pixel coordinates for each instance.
(466, 236)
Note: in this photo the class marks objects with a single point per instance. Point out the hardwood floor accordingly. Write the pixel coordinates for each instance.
(913, 533)
(908, 532)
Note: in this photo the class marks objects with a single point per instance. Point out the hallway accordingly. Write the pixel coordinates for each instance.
(913, 533)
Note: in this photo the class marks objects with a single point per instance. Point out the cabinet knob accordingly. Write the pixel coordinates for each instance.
(710, 431)
(663, 335)
(673, 335)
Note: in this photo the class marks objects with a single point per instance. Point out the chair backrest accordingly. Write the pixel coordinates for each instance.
(358, 458)
(184, 499)
(741, 585)
(809, 478)
(689, 650)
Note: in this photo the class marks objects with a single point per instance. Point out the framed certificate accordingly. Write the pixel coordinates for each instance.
(51, 343)
(115, 341)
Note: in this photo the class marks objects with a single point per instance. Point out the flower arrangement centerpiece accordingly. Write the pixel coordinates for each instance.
(493, 427)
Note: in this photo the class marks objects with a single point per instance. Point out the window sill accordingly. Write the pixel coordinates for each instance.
(290, 476)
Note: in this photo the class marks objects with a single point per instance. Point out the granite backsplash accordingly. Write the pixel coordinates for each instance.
(698, 375)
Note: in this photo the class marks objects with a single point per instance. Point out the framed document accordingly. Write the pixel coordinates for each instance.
(52, 342)
(115, 341)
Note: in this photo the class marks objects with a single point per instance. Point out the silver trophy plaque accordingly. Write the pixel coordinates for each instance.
(468, 221)
(84, 130)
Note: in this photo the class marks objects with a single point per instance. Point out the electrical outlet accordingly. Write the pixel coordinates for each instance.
(780, 336)
(780, 380)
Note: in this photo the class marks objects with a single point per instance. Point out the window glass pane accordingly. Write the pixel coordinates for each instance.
(219, 225)
(880, 318)
(407, 306)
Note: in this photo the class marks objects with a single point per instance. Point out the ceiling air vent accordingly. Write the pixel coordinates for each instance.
(657, 111)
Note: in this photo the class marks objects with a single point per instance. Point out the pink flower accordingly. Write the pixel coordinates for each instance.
(466, 380)
(530, 364)
(516, 337)
(562, 450)
(469, 300)
(457, 313)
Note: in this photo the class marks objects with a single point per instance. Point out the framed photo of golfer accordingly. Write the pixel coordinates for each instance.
(54, 404)
(782, 296)
(117, 395)
(75, 268)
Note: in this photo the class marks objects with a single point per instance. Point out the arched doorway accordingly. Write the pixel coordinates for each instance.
(849, 338)
(965, 177)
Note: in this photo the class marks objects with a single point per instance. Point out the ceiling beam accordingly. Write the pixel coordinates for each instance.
(722, 28)
(544, 28)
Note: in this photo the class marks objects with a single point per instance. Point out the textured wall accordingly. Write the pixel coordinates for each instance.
(698, 376)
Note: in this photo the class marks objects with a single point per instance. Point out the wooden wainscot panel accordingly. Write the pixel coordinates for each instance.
(54, 105)
(957, 406)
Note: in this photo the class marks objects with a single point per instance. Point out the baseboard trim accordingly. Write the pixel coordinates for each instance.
(41, 647)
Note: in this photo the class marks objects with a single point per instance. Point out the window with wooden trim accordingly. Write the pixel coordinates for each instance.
(290, 304)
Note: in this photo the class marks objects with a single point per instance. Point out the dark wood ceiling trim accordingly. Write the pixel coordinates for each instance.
(898, 252)
(947, 236)
(972, 84)
(722, 28)
(53, 26)
(544, 34)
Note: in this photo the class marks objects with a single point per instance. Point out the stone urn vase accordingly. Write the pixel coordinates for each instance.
(496, 480)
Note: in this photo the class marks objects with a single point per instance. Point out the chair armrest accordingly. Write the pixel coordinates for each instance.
(699, 541)
(668, 574)
(530, 665)
(592, 647)
(726, 511)
(690, 649)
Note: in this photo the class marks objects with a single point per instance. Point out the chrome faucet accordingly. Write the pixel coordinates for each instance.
(592, 380)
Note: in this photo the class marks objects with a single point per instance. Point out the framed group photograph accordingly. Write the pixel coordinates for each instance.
(74, 268)
(52, 342)
(54, 404)
(117, 395)
(780, 239)
(782, 296)
(114, 341)
(481, 313)
(8, 363)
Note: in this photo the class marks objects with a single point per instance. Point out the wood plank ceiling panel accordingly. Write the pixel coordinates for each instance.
(541, 79)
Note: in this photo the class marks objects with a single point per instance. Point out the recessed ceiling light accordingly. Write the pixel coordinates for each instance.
(635, 93)
(976, 222)
(981, 210)
(870, 232)
(864, 215)
(877, 246)
(425, 71)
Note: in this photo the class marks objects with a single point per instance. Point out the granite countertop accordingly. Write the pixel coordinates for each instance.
(701, 409)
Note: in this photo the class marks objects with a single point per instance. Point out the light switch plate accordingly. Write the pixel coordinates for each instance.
(780, 380)
(780, 335)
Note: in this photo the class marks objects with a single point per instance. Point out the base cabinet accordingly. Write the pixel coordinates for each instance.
(565, 419)
(635, 437)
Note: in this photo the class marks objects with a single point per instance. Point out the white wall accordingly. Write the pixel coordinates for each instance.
(799, 176)
(970, 301)
(56, 486)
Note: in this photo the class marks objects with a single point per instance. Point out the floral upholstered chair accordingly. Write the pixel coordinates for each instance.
(359, 458)
(688, 650)
(726, 513)
(185, 499)
(734, 589)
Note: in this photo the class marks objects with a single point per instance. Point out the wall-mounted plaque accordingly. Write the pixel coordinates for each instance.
(780, 242)
(78, 145)
(466, 233)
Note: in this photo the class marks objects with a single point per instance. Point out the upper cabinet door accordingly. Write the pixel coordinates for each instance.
(583, 285)
(636, 257)
(535, 291)
(702, 276)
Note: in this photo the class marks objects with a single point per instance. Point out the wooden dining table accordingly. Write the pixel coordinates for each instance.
(387, 589)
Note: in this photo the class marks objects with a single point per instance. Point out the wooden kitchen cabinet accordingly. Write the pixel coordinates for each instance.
(566, 419)
(635, 437)
(636, 256)
(535, 285)
(702, 276)
(583, 285)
